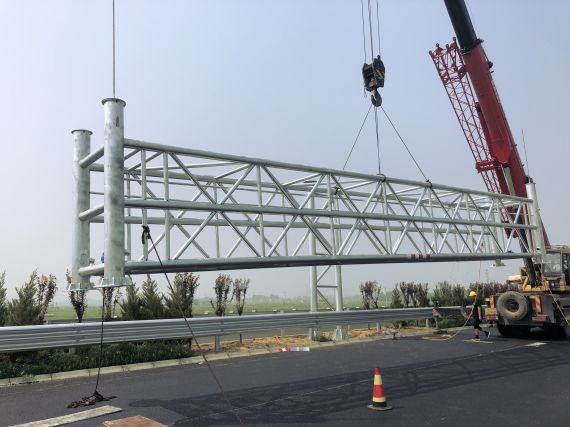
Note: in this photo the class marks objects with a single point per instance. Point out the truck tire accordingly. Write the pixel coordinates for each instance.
(512, 306)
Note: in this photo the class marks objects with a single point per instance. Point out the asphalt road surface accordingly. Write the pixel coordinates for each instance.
(429, 383)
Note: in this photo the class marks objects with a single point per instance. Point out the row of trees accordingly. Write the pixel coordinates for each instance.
(150, 304)
(34, 296)
(411, 294)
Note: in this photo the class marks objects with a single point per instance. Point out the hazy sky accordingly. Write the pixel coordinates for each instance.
(268, 79)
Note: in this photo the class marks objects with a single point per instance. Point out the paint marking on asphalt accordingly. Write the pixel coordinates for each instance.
(72, 418)
(479, 341)
(535, 344)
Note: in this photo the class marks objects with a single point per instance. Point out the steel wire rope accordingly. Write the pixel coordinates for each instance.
(357, 136)
(370, 30)
(404, 143)
(146, 235)
(363, 31)
(377, 139)
(378, 27)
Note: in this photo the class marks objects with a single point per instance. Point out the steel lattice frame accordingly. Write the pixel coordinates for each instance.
(456, 82)
(211, 211)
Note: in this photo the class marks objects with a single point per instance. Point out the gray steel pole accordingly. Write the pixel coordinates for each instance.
(80, 202)
(114, 273)
(535, 219)
(313, 269)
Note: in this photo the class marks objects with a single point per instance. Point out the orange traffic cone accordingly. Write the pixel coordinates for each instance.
(378, 398)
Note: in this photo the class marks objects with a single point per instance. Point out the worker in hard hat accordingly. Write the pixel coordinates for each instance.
(477, 316)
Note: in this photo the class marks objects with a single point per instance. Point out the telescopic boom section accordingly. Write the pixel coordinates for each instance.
(499, 137)
(476, 97)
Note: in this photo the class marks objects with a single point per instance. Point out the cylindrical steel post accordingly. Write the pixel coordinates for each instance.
(313, 269)
(536, 220)
(80, 202)
(114, 217)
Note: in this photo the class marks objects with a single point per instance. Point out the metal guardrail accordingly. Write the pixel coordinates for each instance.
(24, 338)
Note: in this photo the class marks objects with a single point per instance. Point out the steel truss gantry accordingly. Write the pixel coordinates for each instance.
(211, 211)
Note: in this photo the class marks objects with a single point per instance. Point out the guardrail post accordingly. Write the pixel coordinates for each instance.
(114, 216)
(217, 344)
(80, 201)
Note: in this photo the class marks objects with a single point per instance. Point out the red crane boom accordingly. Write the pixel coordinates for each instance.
(465, 71)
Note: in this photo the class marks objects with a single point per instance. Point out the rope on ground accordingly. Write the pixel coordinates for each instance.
(449, 337)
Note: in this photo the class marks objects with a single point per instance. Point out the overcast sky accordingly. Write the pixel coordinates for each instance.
(268, 79)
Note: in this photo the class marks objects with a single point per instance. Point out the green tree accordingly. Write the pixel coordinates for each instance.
(396, 299)
(222, 287)
(446, 295)
(3, 304)
(131, 307)
(181, 296)
(422, 294)
(152, 301)
(24, 309)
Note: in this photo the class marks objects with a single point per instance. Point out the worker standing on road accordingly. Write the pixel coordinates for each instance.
(477, 316)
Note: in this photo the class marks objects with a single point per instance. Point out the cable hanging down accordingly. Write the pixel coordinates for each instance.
(145, 237)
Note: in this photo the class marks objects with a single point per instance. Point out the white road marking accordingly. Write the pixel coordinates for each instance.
(72, 418)
(535, 344)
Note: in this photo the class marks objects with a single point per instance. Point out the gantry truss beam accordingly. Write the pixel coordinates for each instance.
(211, 211)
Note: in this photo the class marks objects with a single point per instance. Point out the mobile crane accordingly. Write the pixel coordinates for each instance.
(543, 297)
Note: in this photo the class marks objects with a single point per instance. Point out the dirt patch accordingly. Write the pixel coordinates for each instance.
(270, 343)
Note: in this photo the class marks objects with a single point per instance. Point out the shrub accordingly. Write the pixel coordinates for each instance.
(50, 361)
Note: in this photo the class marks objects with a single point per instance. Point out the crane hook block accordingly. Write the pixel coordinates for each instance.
(373, 75)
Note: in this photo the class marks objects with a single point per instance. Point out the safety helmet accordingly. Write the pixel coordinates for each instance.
(472, 294)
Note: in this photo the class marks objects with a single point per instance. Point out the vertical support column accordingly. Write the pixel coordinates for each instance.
(535, 219)
(114, 274)
(143, 197)
(313, 269)
(81, 202)
(167, 214)
(313, 332)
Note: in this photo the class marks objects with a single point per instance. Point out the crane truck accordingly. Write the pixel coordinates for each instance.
(542, 298)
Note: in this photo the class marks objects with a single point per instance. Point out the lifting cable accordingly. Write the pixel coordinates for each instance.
(374, 72)
(96, 396)
(145, 237)
(357, 136)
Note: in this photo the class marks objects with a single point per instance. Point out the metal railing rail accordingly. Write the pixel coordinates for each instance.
(25, 338)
